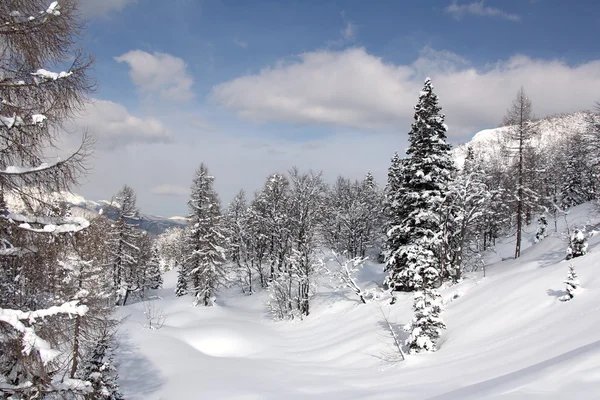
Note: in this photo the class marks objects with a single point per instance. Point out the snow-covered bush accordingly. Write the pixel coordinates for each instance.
(577, 245)
(426, 325)
(542, 228)
(572, 284)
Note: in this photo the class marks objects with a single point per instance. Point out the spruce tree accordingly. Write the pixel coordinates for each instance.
(572, 284)
(181, 288)
(153, 274)
(204, 264)
(415, 239)
(99, 369)
(426, 325)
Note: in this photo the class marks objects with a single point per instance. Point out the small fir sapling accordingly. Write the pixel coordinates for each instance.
(572, 284)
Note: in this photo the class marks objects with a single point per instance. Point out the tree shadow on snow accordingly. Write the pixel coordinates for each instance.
(552, 258)
(138, 378)
(556, 293)
(389, 351)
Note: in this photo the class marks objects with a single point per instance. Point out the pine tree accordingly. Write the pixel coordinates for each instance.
(204, 265)
(415, 237)
(572, 284)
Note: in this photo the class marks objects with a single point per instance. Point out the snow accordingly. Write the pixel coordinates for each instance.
(51, 76)
(16, 170)
(30, 339)
(508, 337)
(53, 9)
(54, 225)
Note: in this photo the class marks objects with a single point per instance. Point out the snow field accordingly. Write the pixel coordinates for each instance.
(508, 337)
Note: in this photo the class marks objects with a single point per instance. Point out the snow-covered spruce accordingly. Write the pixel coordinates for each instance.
(426, 325)
(572, 284)
(181, 288)
(577, 244)
(204, 240)
(415, 238)
(98, 368)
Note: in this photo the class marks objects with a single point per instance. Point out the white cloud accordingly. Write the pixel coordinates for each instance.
(159, 73)
(113, 126)
(355, 89)
(170, 190)
(242, 43)
(478, 8)
(102, 8)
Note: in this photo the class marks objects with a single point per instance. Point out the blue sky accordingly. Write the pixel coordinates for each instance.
(255, 87)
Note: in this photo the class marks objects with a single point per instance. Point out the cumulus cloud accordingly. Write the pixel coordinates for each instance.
(102, 8)
(170, 190)
(159, 73)
(479, 9)
(353, 88)
(113, 126)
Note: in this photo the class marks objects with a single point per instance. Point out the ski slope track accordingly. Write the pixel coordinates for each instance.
(508, 337)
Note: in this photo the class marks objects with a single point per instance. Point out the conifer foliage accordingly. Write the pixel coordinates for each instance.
(204, 252)
(572, 284)
(416, 192)
(426, 325)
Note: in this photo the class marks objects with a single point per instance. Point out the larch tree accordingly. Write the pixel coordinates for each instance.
(205, 254)
(415, 240)
(36, 102)
(124, 244)
(521, 127)
(236, 226)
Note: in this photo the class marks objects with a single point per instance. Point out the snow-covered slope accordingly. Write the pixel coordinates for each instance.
(508, 337)
(551, 129)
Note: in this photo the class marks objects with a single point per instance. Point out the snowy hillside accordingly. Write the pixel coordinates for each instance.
(490, 141)
(508, 337)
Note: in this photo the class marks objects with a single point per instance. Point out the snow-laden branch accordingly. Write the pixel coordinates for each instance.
(15, 120)
(346, 276)
(54, 225)
(42, 75)
(31, 341)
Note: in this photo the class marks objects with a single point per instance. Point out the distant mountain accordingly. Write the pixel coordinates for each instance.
(83, 207)
(489, 142)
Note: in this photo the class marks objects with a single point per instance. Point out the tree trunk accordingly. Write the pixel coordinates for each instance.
(75, 347)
